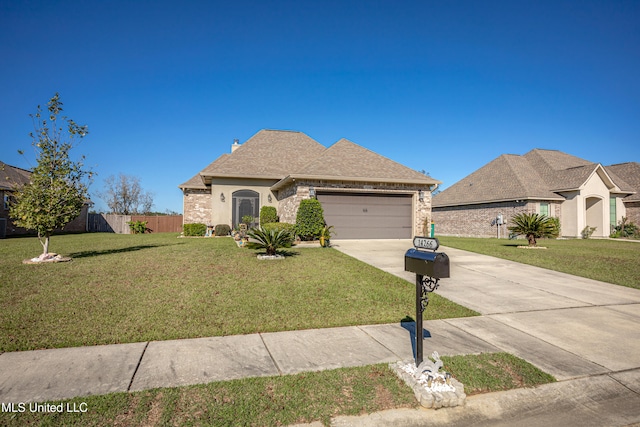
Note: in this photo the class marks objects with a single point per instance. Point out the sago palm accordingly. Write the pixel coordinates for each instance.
(533, 226)
(268, 239)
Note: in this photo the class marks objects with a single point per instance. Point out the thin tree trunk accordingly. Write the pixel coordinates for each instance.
(44, 241)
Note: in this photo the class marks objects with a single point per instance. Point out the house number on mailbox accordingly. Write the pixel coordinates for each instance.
(430, 243)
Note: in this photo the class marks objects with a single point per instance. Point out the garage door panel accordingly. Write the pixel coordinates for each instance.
(358, 216)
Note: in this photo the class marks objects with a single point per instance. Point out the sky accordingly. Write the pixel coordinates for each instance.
(441, 86)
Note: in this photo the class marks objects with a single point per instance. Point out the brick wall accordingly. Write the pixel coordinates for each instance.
(475, 220)
(633, 212)
(197, 206)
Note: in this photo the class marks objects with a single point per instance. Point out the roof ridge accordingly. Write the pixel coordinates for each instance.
(515, 171)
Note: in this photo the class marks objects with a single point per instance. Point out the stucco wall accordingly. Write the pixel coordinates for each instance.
(223, 210)
(595, 214)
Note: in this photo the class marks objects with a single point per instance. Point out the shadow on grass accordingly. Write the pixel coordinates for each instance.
(288, 254)
(88, 254)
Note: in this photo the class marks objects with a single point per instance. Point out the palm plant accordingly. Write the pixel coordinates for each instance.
(533, 226)
(268, 239)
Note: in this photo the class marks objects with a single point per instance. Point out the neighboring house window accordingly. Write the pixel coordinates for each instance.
(612, 212)
(245, 202)
(5, 197)
(544, 209)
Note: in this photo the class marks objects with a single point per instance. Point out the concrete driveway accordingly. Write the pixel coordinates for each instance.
(568, 326)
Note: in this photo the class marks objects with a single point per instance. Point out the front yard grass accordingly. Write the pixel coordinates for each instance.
(285, 400)
(611, 261)
(132, 288)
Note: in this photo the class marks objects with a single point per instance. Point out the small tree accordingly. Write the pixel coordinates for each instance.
(533, 226)
(57, 189)
(309, 219)
(124, 195)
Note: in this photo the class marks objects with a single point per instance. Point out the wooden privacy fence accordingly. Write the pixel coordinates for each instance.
(111, 223)
(161, 223)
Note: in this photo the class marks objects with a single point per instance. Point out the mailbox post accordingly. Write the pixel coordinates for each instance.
(429, 268)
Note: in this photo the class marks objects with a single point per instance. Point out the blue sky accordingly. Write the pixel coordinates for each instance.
(440, 86)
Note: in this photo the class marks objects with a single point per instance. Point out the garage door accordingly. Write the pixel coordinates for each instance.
(368, 216)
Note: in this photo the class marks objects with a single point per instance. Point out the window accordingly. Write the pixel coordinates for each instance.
(5, 198)
(612, 212)
(544, 209)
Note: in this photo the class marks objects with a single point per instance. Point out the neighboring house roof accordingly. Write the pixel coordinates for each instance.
(288, 155)
(538, 175)
(509, 177)
(10, 176)
(630, 174)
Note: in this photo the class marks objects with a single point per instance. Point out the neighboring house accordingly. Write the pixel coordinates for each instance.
(578, 192)
(12, 177)
(363, 194)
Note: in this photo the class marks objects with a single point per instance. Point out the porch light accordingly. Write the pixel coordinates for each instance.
(312, 191)
(222, 197)
(421, 195)
(269, 198)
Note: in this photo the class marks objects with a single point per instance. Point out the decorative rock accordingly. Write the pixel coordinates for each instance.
(270, 257)
(50, 257)
(438, 394)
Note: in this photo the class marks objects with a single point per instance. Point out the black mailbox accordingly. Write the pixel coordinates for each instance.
(432, 264)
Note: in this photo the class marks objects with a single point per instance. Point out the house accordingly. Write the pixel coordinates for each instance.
(578, 192)
(10, 178)
(363, 194)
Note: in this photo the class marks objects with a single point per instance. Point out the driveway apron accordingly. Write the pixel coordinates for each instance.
(566, 325)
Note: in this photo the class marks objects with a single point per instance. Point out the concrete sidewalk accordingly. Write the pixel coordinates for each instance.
(583, 332)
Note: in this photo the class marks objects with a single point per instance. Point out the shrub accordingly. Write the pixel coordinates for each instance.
(270, 239)
(194, 229)
(556, 227)
(222, 230)
(310, 219)
(268, 214)
(626, 229)
(587, 232)
(247, 219)
(138, 227)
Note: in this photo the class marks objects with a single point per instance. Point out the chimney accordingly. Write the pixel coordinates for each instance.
(235, 145)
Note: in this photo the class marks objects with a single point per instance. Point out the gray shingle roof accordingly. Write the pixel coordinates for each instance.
(509, 177)
(538, 174)
(269, 154)
(345, 159)
(627, 176)
(275, 154)
(10, 176)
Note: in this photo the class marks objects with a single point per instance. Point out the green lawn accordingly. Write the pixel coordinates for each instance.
(612, 261)
(131, 288)
(284, 400)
